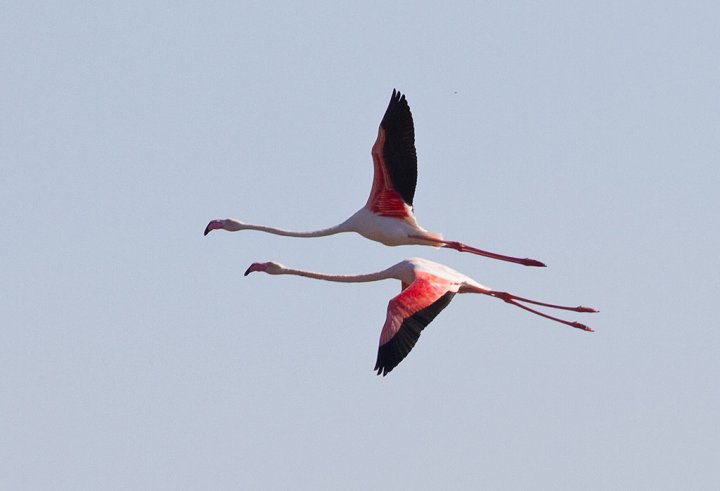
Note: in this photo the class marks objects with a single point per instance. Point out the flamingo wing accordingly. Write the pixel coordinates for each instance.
(394, 161)
(407, 315)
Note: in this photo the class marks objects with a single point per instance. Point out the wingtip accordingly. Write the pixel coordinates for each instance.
(381, 370)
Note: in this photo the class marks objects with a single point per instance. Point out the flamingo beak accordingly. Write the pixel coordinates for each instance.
(256, 267)
(214, 224)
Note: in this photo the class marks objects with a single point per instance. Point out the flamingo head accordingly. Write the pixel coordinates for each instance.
(226, 224)
(269, 268)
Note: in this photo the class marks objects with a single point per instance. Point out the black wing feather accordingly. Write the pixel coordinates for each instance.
(399, 148)
(396, 349)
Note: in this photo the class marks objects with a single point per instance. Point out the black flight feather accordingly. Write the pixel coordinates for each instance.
(396, 349)
(399, 149)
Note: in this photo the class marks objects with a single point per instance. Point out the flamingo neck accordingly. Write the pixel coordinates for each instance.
(234, 225)
(341, 278)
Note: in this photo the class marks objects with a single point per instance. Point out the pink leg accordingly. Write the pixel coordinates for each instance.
(579, 308)
(459, 246)
(513, 299)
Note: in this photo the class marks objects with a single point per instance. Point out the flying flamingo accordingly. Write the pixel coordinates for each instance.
(427, 288)
(387, 217)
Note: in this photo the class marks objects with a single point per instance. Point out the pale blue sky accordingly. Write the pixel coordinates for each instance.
(135, 355)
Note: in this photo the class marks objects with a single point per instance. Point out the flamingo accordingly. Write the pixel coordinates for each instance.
(427, 288)
(387, 217)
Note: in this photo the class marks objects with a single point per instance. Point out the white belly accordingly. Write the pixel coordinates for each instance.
(387, 230)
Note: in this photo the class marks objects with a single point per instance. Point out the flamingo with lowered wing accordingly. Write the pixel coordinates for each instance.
(427, 288)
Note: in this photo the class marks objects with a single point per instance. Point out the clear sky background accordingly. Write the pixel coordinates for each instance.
(135, 355)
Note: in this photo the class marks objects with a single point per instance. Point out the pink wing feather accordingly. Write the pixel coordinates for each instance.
(408, 314)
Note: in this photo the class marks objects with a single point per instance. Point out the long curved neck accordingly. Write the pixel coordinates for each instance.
(235, 226)
(341, 278)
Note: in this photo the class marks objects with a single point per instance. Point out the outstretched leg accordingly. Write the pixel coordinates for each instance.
(515, 300)
(459, 246)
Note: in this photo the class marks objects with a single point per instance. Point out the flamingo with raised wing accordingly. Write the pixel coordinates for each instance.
(427, 288)
(387, 217)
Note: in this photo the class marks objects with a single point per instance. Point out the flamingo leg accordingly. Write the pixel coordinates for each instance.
(459, 246)
(579, 308)
(514, 300)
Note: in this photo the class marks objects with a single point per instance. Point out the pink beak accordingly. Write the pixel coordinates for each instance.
(211, 226)
(256, 267)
